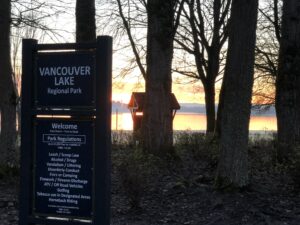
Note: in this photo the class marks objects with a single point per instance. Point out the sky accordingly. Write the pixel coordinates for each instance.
(185, 93)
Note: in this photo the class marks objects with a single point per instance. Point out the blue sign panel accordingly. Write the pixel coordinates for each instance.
(64, 164)
(65, 79)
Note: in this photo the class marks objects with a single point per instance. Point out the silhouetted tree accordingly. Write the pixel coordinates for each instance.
(237, 88)
(134, 19)
(203, 35)
(267, 52)
(162, 22)
(85, 21)
(157, 125)
(288, 81)
(7, 90)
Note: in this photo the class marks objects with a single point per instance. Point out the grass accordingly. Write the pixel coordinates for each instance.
(193, 151)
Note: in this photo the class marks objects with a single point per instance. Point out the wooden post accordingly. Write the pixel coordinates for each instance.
(29, 51)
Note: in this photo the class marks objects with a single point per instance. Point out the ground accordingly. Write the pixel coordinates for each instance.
(179, 190)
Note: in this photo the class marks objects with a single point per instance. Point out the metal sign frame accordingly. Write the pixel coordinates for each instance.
(100, 115)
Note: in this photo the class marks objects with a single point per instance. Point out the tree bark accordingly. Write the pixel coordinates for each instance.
(288, 81)
(209, 89)
(217, 133)
(157, 119)
(85, 21)
(8, 95)
(238, 81)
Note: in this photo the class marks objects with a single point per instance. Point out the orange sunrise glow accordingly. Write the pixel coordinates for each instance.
(192, 93)
(184, 121)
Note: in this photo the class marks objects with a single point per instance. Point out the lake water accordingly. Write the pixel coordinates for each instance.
(195, 122)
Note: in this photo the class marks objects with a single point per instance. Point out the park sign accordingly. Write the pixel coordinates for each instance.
(64, 156)
(66, 77)
(65, 138)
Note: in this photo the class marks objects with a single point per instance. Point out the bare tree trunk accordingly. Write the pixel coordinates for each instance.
(85, 21)
(209, 89)
(7, 91)
(157, 120)
(217, 132)
(207, 40)
(238, 81)
(288, 81)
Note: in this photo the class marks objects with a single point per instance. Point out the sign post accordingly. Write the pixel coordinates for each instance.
(65, 139)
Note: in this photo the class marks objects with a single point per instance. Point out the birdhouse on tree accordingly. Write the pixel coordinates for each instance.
(136, 107)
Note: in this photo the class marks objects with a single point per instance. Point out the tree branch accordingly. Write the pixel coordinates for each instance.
(130, 37)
